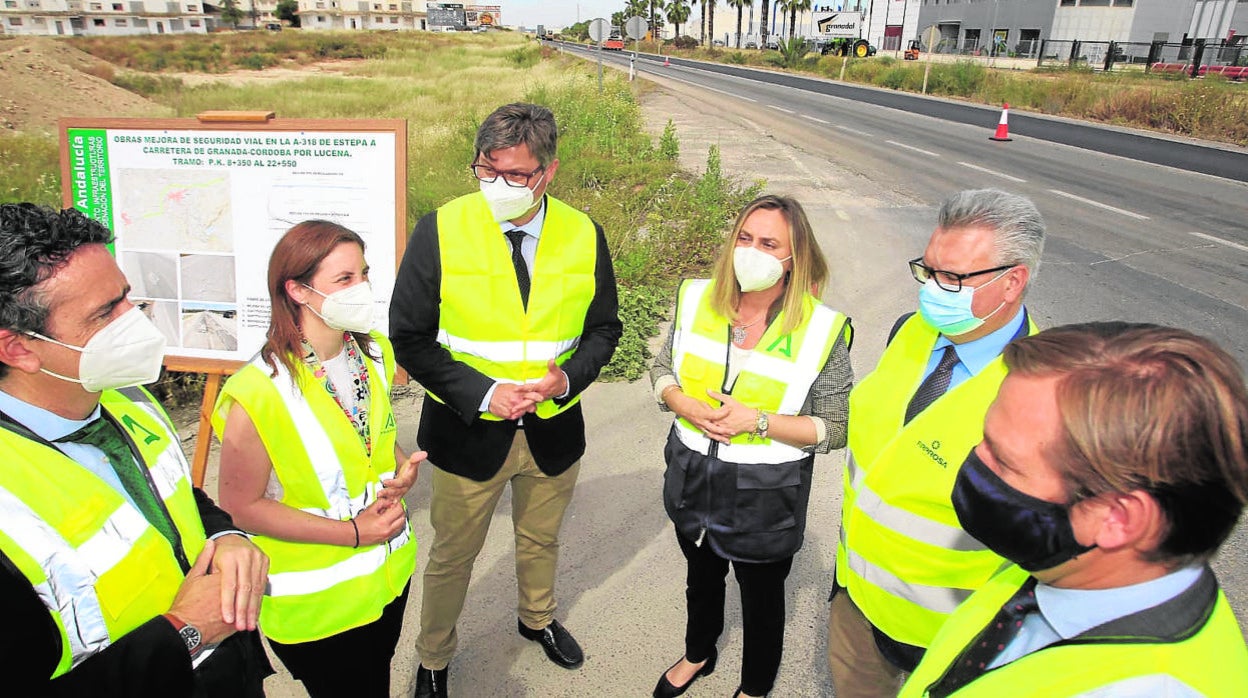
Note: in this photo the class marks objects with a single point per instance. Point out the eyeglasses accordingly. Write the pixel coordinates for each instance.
(488, 174)
(948, 280)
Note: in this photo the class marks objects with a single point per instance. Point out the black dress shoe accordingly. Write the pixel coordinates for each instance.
(430, 683)
(559, 644)
(665, 688)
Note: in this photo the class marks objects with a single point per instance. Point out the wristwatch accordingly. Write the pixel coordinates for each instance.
(760, 425)
(190, 634)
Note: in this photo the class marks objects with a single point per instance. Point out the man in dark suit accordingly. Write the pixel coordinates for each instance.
(504, 309)
(117, 578)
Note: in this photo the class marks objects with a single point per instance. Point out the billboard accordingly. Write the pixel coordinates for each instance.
(482, 16)
(445, 16)
(837, 25)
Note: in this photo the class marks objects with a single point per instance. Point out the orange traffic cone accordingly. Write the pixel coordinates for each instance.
(666, 63)
(1003, 127)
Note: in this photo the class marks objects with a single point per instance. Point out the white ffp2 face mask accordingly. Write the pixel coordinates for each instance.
(349, 310)
(127, 351)
(756, 270)
(507, 202)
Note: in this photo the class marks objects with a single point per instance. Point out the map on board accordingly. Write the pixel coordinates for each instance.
(184, 210)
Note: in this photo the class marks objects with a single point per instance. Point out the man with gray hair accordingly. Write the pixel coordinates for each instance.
(504, 309)
(904, 563)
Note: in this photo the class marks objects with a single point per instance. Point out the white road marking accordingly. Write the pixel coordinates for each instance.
(786, 111)
(1220, 241)
(851, 130)
(811, 118)
(712, 89)
(910, 147)
(994, 173)
(1107, 207)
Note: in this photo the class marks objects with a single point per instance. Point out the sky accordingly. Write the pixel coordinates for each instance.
(554, 13)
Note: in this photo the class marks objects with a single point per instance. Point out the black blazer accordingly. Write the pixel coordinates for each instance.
(457, 439)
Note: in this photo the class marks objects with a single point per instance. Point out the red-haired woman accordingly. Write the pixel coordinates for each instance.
(309, 463)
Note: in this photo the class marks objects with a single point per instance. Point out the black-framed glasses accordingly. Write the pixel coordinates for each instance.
(488, 174)
(948, 280)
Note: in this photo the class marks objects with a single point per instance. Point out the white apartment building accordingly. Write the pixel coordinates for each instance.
(103, 17)
(379, 15)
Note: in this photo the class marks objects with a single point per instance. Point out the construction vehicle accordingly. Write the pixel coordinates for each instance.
(615, 41)
(912, 51)
(840, 34)
(858, 48)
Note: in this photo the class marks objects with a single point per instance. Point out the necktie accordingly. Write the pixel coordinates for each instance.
(990, 642)
(517, 261)
(103, 435)
(935, 385)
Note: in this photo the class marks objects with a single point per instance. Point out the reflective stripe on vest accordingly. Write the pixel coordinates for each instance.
(318, 590)
(903, 555)
(94, 561)
(481, 319)
(766, 381)
(1212, 661)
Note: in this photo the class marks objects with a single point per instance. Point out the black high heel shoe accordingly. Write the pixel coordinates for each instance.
(665, 689)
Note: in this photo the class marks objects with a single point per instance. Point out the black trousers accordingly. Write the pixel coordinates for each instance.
(354, 662)
(762, 611)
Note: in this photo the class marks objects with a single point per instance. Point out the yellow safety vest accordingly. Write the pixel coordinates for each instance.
(776, 377)
(315, 589)
(903, 556)
(113, 571)
(1210, 657)
(482, 321)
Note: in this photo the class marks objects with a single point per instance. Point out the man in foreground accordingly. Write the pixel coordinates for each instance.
(1114, 464)
(117, 577)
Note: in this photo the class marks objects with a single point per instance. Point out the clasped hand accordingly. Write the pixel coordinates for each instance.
(513, 401)
(723, 422)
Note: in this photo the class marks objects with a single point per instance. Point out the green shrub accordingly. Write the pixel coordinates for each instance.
(669, 145)
(257, 61)
(736, 58)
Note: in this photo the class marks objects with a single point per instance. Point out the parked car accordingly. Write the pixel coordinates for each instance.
(274, 26)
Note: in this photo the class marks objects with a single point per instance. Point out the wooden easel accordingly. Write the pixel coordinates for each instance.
(214, 370)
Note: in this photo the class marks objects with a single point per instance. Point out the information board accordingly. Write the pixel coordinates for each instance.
(197, 206)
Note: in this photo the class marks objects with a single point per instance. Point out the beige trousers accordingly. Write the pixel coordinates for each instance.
(460, 512)
(858, 668)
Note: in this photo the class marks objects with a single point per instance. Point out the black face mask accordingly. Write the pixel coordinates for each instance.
(1031, 532)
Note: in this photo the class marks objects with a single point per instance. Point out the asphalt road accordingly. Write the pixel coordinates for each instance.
(1141, 241)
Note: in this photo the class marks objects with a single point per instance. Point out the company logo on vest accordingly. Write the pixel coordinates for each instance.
(931, 452)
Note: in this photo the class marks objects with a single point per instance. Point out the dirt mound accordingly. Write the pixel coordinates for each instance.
(42, 80)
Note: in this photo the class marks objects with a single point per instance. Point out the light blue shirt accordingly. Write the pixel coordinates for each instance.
(50, 427)
(974, 355)
(1065, 613)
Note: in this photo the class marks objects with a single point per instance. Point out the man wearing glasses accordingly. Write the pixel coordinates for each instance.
(904, 563)
(504, 309)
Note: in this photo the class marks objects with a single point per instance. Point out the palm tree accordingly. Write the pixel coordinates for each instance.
(678, 12)
(762, 26)
(795, 6)
(740, 5)
(708, 7)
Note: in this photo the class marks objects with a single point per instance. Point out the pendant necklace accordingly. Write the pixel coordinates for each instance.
(738, 331)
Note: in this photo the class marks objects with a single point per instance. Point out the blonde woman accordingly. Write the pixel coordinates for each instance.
(757, 373)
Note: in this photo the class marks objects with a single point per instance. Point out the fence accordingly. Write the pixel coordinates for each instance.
(1197, 58)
